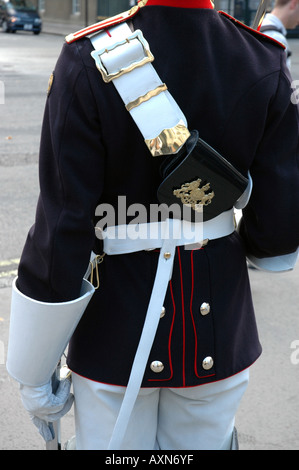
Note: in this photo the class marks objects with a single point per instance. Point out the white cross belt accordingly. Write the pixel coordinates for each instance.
(125, 58)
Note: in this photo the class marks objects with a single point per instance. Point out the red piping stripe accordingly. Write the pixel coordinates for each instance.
(183, 318)
(270, 39)
(95, 27)
(181, 3)
(171, 330)
(191, 312)
(169, 340)
(193, 322)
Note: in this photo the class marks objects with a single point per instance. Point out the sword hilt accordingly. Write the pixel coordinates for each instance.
(55, 444)
(260, 13)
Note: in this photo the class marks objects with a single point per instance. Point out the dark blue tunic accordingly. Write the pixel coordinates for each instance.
(234, 88)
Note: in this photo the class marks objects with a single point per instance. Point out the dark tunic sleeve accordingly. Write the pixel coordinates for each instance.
(72, 160)
(270, 225)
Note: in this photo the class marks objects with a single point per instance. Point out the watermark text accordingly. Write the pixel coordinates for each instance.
(295, 353)
(158, 221)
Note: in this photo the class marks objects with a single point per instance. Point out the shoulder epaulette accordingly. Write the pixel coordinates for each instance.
(107, 23)
(256, 33)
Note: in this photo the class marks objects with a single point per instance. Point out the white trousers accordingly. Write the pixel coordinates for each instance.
(195, 418)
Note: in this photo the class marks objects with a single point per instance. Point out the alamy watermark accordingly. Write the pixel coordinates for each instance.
(295, 93)
(295, 354)
(155, 222)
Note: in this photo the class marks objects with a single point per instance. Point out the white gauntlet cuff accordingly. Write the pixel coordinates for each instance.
(276, 263)
(39, 333)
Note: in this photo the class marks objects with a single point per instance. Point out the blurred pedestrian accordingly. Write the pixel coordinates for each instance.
(284, 16)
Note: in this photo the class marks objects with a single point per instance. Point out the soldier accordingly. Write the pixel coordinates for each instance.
(160, 357)
(285, 15)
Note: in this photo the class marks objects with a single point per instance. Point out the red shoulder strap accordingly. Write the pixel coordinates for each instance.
(251, 30)
(114, 20)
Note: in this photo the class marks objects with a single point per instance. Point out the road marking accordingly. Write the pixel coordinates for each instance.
(5, 272)
(8, 273)
(9, 262)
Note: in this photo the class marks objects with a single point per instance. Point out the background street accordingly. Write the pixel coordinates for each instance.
(269, 415)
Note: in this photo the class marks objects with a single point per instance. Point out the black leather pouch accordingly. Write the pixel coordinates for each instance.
(199, 178)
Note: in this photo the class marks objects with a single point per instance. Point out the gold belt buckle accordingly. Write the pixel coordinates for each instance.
(107, 77)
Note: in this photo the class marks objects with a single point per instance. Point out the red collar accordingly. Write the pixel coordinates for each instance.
(182, 3)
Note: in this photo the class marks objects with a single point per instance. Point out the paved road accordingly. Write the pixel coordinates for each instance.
(269, 415)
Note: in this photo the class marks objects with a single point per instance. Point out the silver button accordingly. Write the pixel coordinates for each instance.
(205, 308)
(207, 363)
(163, 311)
(157, 366)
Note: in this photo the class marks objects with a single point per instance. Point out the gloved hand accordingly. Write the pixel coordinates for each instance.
(44, 406)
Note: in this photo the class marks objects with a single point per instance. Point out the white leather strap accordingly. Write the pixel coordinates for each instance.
(154, 115)
(130, 238)
(244, 198)
(162, 278)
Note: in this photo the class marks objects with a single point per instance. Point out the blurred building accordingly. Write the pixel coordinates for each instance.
(84, 12)
(81, 13)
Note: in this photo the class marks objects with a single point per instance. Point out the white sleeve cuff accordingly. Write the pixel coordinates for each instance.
(39, 333)
(275, 264)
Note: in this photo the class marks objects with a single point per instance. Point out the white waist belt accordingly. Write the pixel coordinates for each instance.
(130, 238)
(167, 236)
